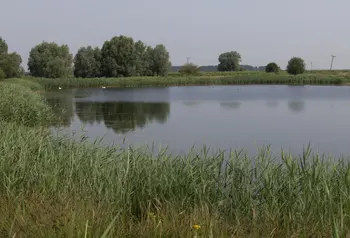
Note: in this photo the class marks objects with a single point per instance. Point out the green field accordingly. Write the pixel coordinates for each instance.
(57, 187)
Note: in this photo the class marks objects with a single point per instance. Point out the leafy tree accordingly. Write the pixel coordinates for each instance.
(296, 66)
(98, 59)
(141, 61)
(118, 57)
(86, 62)
(56, 68)
(229, 61)
(189, 69)
(3, 46)
(50, 60)
(148, 62)
(160, 60)
(11, 65)
(272, 68)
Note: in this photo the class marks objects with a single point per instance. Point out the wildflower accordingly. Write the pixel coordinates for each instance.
(196, 227)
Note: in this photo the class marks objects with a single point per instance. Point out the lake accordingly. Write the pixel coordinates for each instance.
(236, 117)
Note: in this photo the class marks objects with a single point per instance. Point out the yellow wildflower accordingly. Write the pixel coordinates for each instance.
(196, 227)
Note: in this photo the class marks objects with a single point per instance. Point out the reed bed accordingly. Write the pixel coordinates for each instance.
(21, 105)
(55, 186)
(307, 79)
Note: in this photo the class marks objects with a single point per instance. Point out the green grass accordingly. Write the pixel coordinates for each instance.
(21, 105)
(245, 79)
(56, 187)
(31, 84)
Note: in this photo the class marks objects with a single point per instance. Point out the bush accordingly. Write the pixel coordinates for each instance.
(26, 82)
(189, 69)
(2, 75)
(272, 68)
(296, 66)
(21, 105)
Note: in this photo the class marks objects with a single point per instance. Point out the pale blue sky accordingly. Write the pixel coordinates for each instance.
(260, 30)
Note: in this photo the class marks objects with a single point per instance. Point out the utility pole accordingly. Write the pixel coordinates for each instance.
(188, 59)
(333, 56)
(311, 66)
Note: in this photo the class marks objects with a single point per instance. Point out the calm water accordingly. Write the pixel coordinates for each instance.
(223, 117)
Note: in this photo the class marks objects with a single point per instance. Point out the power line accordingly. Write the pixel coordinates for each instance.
(333, 56)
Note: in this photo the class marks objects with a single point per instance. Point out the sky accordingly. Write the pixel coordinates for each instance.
(262, 31)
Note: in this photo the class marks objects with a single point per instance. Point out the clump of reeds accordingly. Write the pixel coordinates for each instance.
(53, 185)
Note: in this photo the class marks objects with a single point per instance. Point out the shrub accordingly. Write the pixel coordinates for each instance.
(26, 82)
(189, 69)
(21, 105)
(272, 68)
(296, 66)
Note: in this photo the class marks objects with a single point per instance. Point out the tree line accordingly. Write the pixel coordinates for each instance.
(230, 61)
(120, 56)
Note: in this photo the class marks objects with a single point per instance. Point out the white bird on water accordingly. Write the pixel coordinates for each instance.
(103, 87)
(59, 88)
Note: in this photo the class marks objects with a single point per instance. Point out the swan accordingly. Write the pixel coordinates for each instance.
(59, 88)
(103, 87)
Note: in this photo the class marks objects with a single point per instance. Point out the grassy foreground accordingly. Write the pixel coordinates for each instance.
(238, 78)
(55, 187)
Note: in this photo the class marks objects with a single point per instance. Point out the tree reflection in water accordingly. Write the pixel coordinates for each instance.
(296, 106)
(122, 117)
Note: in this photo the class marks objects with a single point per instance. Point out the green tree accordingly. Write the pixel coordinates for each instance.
(86, 64)
(141, 61)
(3, 46)
(118, 57)
(160, 61)
(272, 68)
(50, 60)
(296, 66)
(98, 59)
(148, 61)
(56, 68)
(229, 61)
(10, 64)
(189, 69)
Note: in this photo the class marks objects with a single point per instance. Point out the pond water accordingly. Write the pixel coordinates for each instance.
(236, 117)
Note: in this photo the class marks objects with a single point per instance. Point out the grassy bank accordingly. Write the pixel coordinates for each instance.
(238, 79)
(56, 187)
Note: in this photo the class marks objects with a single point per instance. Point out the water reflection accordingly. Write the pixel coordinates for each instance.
(198, 116)
(296, 106)
(190, 103)
(272, 104)
(230, 105)
(122, 117)
(62, 108)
